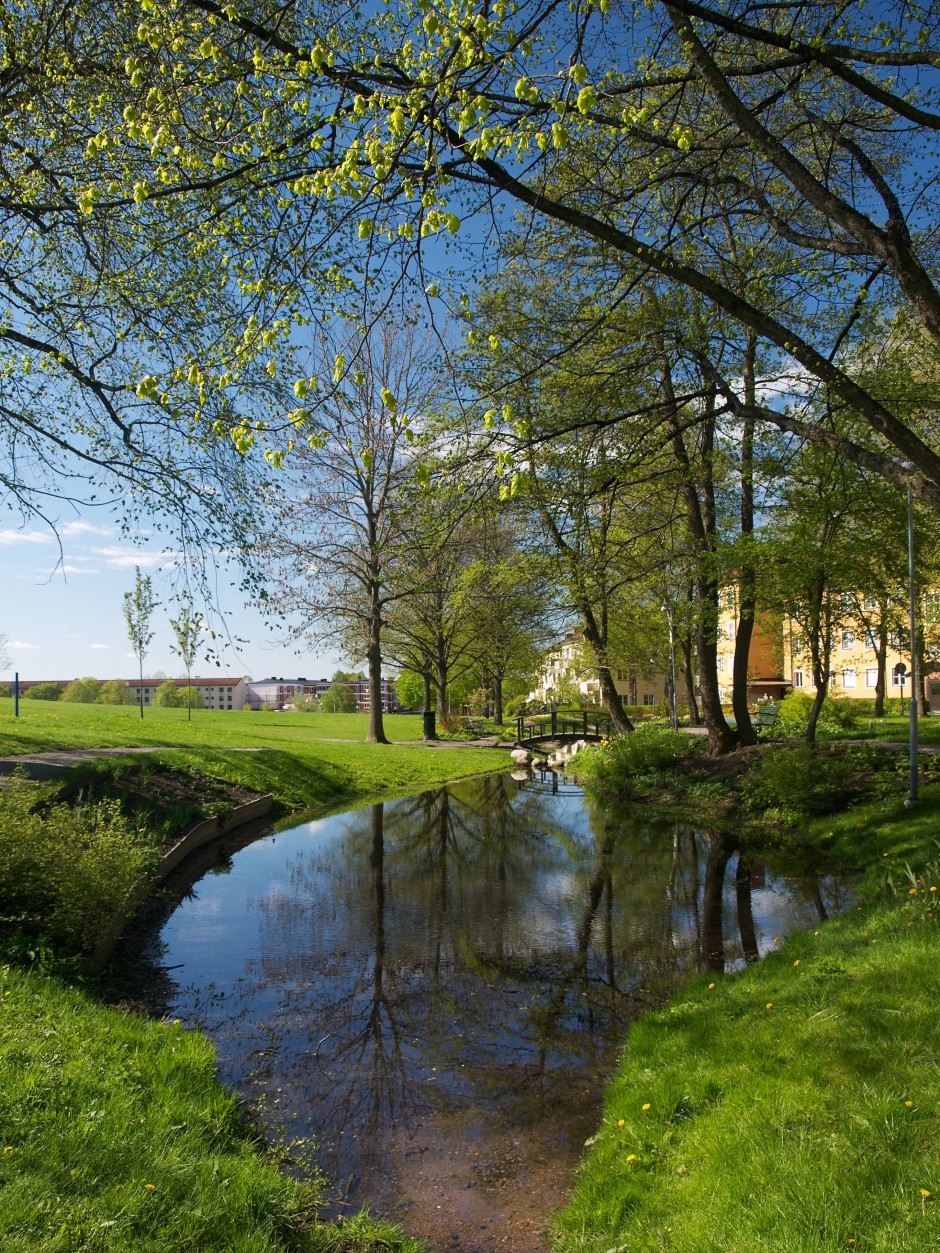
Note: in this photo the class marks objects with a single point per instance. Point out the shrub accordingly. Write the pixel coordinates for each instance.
(836, 714)
(83, 691)
(43, 691)
(64, 871)
(798, 781)
(622, 761)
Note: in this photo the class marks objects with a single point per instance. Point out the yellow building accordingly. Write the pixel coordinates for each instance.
(767, 679)
(565, 674)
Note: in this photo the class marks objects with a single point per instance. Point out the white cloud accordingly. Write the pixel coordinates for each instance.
(79, 527)
(124, 558)
(104, 646)
(79, 570)
(21, 646)
(25, 537)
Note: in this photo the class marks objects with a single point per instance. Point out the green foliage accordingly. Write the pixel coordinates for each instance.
(83, 691)
(836, 714)
(410, 689)
(798, 780)
(338, 699)
(625, 761)
(64, 871)
(170, 696)
(43, 691)
(114, 692)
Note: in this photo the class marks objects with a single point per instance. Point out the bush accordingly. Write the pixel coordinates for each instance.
(798, 781)
(43, 691)
(836, 714)
(83, 691)
(64, 871)
(619, 763)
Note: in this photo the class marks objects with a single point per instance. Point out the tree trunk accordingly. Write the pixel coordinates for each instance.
(609, 694)
(881, 682)
(498, 698)
(747, 578)
(376, 731)
(688, 672)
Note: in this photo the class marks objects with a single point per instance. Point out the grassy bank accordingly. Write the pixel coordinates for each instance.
(794, 1106)
(117, 1137)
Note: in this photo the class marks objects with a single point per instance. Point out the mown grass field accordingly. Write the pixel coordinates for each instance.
(304, 759)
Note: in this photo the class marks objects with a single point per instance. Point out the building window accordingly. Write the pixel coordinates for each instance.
(896, 638)
(649, 698)
(898, 673)
(797, 678)
(871, 641)
(846, 603)
(848, 677)
(871, 677)
(932, 607)
(848, 639)
(729, 631)
(720, 665)
(797, 646)
(869, 604)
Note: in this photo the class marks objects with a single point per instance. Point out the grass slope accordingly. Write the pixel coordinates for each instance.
(117, 1137)
(288, 756)
(795, 1106)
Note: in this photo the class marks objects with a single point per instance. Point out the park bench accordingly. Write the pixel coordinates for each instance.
(767, 718)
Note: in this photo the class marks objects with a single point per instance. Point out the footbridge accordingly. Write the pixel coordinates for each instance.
(560, 727)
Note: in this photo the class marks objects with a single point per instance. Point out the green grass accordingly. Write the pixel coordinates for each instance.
(795, 1106)
(290, 756)
(117, 1136)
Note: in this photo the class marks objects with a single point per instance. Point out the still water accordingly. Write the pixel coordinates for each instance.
(425, 996)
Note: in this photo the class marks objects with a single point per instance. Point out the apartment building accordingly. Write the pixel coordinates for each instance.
(563, 676)
(767, 679)
(225, 693)
(281, 693)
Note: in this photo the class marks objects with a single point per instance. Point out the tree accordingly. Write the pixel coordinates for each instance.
(339, 698)
(187, 629)
(338, 546)
(4, 655)
(44, 691)
(138, 610)
(170, 696)
(114, 692)
(83, 691)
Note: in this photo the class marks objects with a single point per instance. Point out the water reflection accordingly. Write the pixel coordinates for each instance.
(441, 983)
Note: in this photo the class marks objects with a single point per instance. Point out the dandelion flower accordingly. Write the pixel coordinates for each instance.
(770, 1004)
(796, 963)
(925, 1193)
(620, 1122)
(646, 1106)
(631, 1157)
(711, 985)
(909, 1104)
(8, 1149)
(150, 1187)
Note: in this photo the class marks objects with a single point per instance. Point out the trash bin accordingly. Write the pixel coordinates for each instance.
(428, 729)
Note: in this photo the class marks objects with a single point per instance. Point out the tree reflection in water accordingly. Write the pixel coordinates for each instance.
(459, 967)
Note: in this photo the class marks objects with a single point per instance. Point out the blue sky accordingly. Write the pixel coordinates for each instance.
(64, 620)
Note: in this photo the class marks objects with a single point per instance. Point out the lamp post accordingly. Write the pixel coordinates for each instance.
(673, 707)
(914, 710)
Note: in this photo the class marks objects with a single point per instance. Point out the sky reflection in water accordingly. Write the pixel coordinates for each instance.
(454, 972)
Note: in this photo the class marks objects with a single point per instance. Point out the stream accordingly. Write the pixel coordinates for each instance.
(424, 998)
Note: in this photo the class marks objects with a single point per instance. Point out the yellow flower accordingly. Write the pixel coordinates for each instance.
(711, 985)
(912, 892)
(933, 889)
(8, 1149)
(770, 1004)
(646, 1106)
(924, 1192)
(909, 1104)
(631, 1157)
(150, 1187)
(796, 963)
(620, 1122)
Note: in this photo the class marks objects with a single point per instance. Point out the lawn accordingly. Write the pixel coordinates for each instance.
(304, 759)
(795, 1106)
